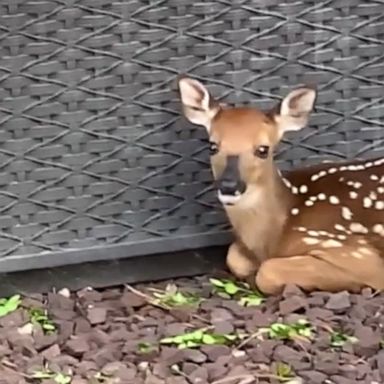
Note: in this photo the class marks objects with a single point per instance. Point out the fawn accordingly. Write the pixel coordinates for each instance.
(320, 227)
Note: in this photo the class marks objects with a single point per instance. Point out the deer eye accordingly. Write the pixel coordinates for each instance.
(262, 151)
(213, 148)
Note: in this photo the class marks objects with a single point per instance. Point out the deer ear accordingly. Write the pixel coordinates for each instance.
(198, 105)
(295, 109)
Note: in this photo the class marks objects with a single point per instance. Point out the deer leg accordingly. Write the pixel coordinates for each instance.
(330, 270)
(240, 263)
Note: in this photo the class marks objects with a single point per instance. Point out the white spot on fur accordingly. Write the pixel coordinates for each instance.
(357, 185)
(314, 177)
(353, 195)
(357, 255)
(374, 177)
(311, 241)
(358, 228)
(303, 189)
(334, 200)
(373, 195)
(286, 181)
(321, 196)
(319, 175)
(379, 205)
(378, 229)
(340, 227)
(367, 202)
(294, 211)
(346, 213)
(331, 244)
(364, 250)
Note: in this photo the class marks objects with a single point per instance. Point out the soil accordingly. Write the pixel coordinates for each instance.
(113, 336)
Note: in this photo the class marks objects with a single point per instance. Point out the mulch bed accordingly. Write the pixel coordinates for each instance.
(112, 336)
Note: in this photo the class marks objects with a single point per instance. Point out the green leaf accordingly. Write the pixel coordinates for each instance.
(251, 300)
(62, 379)
(181, 338)
(144, 347)
(338, 339)
(49, 327)
(179, 298)
(240, 336)
(40, 316)
(196, 335)
(191, 336)
(223, 295)
(231, 337)
(198, 338)
(9, 305)
(246, 286)
(279, 330)
(290, 331)
(306, 332)
(174, 298)
(192, 344)
(214, 339)
(283, 370)
(14, 302)
(217, 283)
(42, 375)
(209, 339)
(231, 288)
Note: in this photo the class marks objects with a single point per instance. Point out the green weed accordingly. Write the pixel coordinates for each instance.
(229, 289)
(10, 305)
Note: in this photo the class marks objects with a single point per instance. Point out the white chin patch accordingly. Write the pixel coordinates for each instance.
(228, 199)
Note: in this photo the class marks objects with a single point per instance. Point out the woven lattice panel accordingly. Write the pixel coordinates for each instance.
(93, 150)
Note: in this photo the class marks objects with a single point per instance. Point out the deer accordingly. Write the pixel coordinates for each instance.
(318, 227)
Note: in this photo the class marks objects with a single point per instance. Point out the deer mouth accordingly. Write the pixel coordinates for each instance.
(229, 199)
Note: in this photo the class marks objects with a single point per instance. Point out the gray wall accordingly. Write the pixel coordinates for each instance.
(95, 160)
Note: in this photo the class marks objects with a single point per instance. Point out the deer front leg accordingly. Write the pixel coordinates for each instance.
(241, 263)
(331, 270)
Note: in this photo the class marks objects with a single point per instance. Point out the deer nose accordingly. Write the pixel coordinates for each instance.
(231, 187)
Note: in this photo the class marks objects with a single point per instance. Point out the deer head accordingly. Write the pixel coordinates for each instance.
(242, 140)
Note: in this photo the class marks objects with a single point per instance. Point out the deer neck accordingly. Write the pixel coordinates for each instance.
(259, 218)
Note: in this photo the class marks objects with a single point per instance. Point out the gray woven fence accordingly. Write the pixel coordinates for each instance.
(96, 161)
